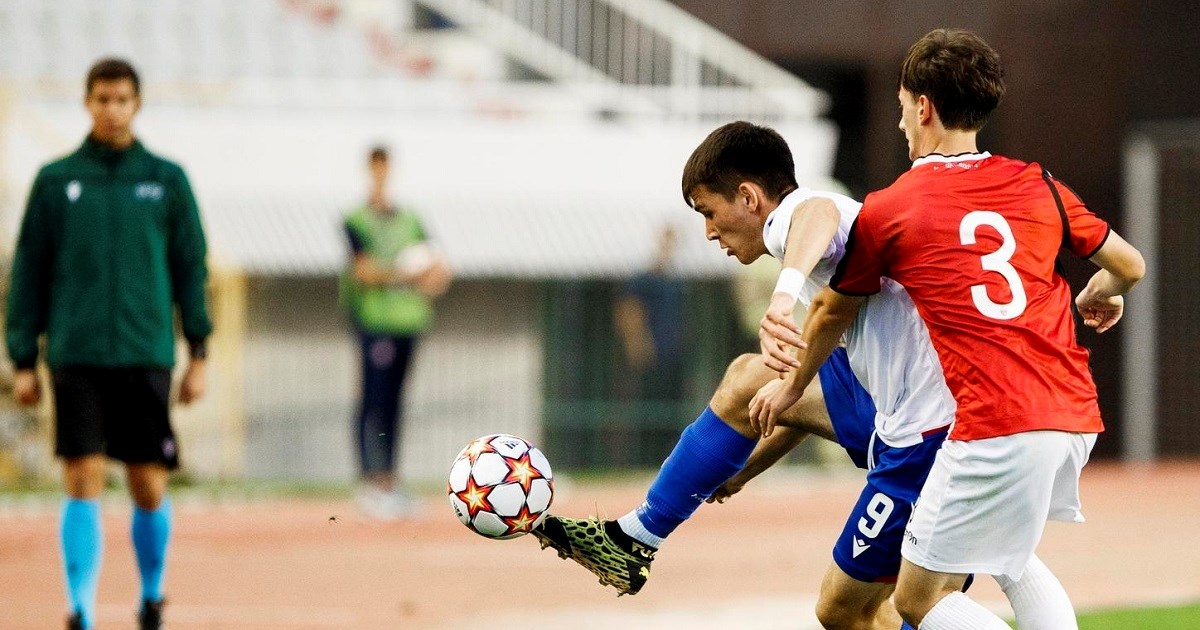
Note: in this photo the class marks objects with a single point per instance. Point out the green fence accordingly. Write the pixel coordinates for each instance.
(594, 417)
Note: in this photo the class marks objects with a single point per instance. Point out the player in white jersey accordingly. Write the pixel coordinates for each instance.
(741, 179)
(888, 345)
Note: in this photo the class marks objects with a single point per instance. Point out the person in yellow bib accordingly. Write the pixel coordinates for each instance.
(390, 280)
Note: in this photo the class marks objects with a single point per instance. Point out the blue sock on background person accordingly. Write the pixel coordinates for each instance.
(151, 530)
(82, 546)
(708, 453)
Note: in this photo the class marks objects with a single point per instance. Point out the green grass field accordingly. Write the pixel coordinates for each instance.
(1181, 618)
(1170, 618)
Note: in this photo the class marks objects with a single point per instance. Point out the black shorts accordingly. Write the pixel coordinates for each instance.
(121, 412)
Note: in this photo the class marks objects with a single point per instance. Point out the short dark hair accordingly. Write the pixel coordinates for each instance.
(378, 153)
(959, 72)
(112, 69)
(739, 152)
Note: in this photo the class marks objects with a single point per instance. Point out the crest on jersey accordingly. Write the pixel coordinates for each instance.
(74, 189)
(148, 190)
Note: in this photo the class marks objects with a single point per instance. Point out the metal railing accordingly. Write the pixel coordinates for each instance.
(632, 57)
(645, 50)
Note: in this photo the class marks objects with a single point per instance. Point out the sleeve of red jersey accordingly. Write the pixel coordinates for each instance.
(1087, 232)
(861, 268)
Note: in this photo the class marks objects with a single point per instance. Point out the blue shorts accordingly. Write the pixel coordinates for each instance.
(850, 406)
(868, 549)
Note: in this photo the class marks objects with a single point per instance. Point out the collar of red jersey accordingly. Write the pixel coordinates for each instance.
(946, 159)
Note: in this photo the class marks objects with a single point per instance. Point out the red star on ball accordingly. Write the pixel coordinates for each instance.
(522, 471)
(477, 448)
(521, 523)
(475, 497)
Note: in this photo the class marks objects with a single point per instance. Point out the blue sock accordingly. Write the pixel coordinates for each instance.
(708, 453)
(82, 545)
(151, 530)
(904, 626)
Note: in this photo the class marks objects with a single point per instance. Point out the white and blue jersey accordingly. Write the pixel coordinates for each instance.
(886, 396)
(888, 345)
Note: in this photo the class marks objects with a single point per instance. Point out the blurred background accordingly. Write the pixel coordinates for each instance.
(541, 143)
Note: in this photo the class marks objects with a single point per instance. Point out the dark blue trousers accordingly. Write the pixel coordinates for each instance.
(385, 363)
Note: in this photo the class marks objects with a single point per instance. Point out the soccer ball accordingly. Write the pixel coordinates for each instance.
(500, 486)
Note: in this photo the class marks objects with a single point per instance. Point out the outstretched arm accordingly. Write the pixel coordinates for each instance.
(1121, 267)
(829, 316)
(813, 226)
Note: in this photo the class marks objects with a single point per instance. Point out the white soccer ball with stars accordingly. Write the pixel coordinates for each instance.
(501, 486)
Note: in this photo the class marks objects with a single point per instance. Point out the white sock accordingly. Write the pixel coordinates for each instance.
(1038, 599)
(956, 611)
(632, 525)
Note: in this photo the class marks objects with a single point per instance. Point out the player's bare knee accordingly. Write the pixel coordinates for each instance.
(743, 375)
(83, 477)
(147, 485)
(731, 400)
(147, 498)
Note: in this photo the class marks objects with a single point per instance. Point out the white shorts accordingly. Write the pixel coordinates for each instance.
(986, 502)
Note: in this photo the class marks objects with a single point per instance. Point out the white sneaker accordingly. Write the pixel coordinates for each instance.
(403, 505)
(385, 506)
(373, 502)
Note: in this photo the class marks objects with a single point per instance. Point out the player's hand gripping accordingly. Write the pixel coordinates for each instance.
(778, 333)
(27, 387)
(434, 281)
(770, 402)
(731, 487)
(1099, 312)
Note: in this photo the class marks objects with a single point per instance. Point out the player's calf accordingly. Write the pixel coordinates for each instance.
(849, 604)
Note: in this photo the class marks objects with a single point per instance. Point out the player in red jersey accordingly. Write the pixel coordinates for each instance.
(974, 239)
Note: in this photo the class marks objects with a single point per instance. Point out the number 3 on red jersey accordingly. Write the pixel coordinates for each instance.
(996, 261)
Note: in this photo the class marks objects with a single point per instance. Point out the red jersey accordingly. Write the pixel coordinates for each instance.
(974, 239)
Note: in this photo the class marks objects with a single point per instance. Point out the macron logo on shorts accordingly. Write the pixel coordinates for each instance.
(860, 546)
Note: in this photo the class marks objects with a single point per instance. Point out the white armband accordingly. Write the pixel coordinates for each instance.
(791, 281)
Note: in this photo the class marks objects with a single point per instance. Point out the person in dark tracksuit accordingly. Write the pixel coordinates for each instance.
(389, 281)
(110, 243)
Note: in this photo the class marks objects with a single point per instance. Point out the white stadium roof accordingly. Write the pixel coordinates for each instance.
(504, 198)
